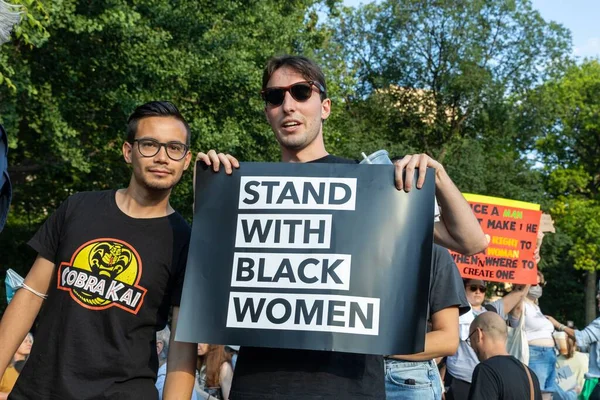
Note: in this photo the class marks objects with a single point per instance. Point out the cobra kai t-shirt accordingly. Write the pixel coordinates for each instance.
(115, 279)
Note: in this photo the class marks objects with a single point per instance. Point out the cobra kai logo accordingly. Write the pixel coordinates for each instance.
(104, 273)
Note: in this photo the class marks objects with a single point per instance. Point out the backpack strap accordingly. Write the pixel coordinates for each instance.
(531, 390)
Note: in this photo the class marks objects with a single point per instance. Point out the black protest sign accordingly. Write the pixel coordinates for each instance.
(309, 256)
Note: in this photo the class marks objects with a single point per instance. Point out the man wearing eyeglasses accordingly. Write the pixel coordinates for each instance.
(498, 375)
(110, 266)
(296, 105)
(461, 365)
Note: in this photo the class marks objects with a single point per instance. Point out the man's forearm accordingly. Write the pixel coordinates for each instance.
(466, 235)
(437, 344)
(16, 323)
(181, 370)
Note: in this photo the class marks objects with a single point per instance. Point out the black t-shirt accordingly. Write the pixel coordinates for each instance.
(446, 288)
(286, 374)
(115, 279)
(503, 378)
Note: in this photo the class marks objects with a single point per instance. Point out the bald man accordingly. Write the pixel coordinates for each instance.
(498, 375)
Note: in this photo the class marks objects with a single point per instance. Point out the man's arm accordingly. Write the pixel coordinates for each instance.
(584, 338)
(458, 228)
(181, 366)
(22, 310)
(442, 340)
(514, 298)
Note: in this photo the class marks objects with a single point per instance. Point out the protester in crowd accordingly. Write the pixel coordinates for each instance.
(570, 370)
(460, 366)
(542, 357)
(9, 378)
(214, 372)
(586, 339)
(10, 15)
(94, 329)
(200, 376)
(234, 353)
(498, 375)
(296, 104)
(416, 376)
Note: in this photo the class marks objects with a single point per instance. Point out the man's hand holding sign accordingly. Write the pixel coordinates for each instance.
(288, 257)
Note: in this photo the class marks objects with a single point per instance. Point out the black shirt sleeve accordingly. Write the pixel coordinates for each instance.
(182, 234)
(47, 239)
(179, 274)
(484, 385)
(447, 289)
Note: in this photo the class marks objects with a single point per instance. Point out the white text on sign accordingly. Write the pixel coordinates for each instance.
(301, 193)
(305, 312)
(300, 231)
(291, 271)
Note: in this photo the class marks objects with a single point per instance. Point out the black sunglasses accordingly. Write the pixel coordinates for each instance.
(300, 91)
(474, 288)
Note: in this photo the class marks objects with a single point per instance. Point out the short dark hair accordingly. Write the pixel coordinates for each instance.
(303, 65)
(155, 109)
(467, 280)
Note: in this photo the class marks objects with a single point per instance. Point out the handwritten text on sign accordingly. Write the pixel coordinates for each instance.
(295, 271)
(512, 227)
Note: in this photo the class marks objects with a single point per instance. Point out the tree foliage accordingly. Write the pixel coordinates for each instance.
(444, 78)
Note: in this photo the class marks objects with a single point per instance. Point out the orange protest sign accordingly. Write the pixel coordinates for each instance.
(512, 228)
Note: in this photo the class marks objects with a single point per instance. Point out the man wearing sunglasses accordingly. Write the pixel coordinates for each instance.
(461, 365)
(110, 266)
(296, 105)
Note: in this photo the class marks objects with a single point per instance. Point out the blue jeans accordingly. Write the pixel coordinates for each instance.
(542, 360)
(412, 380)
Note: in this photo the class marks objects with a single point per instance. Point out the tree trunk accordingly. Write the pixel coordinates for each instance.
(590, 297)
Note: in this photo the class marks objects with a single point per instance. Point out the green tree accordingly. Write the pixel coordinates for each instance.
(564, 116)
(444, 78)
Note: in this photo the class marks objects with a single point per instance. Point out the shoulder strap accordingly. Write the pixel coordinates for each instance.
(531, 391)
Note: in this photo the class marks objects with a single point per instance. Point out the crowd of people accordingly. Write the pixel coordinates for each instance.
(102, 347)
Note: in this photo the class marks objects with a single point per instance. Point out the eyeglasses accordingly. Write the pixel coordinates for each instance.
(300, 91)
(475, 288)
(469, 338)
(150, 147)
(542, 284)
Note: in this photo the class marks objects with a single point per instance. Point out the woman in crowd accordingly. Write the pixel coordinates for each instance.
(570, 370)
(214, 372)
(12, 372)
(587, 339)
(542, 358)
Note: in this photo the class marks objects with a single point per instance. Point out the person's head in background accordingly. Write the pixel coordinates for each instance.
(212, 356)
(536, 291)
(162, 344)
(488, 335)
(24, 349)
(475, 291)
